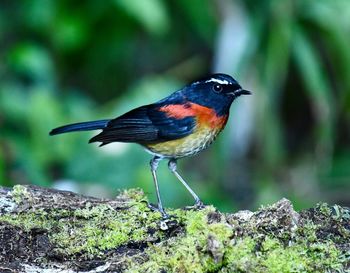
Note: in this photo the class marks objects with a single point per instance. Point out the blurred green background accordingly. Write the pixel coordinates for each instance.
(70, 61)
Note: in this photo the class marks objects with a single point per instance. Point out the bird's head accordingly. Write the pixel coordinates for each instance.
(217, 91)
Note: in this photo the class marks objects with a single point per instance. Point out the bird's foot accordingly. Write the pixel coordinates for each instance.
(197, 206)
(168, 222)
(161, 210)
(152, 207)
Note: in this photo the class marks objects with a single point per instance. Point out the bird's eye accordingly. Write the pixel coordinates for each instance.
(217, 88)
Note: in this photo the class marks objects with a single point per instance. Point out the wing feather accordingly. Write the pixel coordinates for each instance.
(145, 124)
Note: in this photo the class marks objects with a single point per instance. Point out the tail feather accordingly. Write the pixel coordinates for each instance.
(81, 126)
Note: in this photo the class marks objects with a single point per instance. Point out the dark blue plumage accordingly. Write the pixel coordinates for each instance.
(81, 126)
(149, 124)
(145, 124)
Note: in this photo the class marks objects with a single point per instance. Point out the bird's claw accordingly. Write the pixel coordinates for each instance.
(197, 206)
(152, 207)
(161, 210)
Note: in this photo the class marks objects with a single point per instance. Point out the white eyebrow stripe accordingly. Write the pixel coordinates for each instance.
(218, 81)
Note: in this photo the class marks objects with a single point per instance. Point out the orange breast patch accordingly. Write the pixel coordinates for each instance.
(204, 115)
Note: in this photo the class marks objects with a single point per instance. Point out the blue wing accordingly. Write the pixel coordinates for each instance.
(146, 124)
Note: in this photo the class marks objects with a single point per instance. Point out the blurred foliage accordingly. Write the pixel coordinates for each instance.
(69, 61)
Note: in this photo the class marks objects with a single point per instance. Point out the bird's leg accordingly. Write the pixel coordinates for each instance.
(172, 166)
(154, 165)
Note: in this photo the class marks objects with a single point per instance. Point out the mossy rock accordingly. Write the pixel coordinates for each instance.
(44, 230)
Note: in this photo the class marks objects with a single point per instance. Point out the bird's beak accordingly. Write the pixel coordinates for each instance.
(239, 92)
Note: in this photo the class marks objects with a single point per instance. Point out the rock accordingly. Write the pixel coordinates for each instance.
(46, 230)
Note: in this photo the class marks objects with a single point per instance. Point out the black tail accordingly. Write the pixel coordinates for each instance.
(81, 126)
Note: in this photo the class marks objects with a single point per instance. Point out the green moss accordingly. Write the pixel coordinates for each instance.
(93, 229)
(19, 192)
(205, 241)
(202, 246)
(189, 255)
(299, 257)
(134, 195)
(102, 228)
(332, 218)
(213, 247)
(27, 221)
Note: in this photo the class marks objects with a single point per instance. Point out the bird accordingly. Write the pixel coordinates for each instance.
(180, 125)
